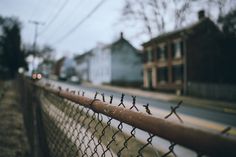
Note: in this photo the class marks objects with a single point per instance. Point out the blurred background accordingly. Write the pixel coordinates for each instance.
(162, 51)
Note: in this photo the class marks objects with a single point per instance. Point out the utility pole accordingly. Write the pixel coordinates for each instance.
(36, 150)
(36, 23)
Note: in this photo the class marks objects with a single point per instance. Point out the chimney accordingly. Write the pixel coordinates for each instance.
(121, 35)
(201, 14)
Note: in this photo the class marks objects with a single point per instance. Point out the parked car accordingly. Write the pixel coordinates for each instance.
(74, 79)
(36, 76)
(62, 76)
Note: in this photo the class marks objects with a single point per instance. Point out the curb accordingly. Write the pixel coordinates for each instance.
(194, 102)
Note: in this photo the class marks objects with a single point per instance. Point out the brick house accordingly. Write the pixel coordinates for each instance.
(175, 59)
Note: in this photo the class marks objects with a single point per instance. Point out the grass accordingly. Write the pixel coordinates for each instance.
(13, 142)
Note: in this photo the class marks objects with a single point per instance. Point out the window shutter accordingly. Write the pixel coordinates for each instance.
(165, 51)
(172, 50)
(153, 54)
(156, 52)
(182, 47)
(144, 56)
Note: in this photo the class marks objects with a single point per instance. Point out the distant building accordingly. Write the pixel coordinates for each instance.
(82, 67)
(46, 68)
(117, 63)
(67, 69)
(173, 60)
(57, 66)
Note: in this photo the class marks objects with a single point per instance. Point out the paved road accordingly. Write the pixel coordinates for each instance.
(207, 114)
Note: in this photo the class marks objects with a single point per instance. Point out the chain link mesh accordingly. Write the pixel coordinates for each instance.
(74, 130)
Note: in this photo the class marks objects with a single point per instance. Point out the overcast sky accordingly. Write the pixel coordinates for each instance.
(102, 26)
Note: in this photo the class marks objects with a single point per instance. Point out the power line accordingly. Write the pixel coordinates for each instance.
(36, 23)
(80, 22)
(79, 2)
(55, 16)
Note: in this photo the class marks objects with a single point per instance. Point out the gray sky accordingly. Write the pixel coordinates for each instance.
(100, 27)
(103, 26)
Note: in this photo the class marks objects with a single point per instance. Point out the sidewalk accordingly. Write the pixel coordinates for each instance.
(13, 140)
(222, 106)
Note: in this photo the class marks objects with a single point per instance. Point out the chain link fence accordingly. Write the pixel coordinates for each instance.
(70, 124)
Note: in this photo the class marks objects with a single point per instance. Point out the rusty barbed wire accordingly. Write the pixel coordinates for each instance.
(173, 111)
(111, 98)
(83, 93)
(134, 104)
(122, 100)
(147, 109)
(103, 97)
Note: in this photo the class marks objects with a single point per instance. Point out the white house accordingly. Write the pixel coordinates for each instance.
(67, 69)
(100, 69)
(117, 63)
(82, 67)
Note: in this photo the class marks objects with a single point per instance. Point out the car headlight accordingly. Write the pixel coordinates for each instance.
(34, 76)
(39, 76)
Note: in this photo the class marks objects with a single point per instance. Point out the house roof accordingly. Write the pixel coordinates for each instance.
(81, 56)
(107, 46)
(183, 31)
(61, 59)
(120, 40)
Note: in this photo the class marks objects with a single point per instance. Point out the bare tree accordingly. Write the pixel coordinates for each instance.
(152, 13)
(137, 13)
(155, 15)
(46, 52)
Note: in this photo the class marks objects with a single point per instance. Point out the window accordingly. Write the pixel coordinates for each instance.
(149, 55)
(178, 73)
(162, 74)
(177, 48)
(162, 52)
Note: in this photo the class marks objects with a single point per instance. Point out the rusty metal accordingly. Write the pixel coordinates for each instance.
(210, 143)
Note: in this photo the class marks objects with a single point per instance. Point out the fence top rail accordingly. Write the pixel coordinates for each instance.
(203, 141)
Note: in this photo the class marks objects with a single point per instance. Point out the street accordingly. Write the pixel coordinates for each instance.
(197, 116)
